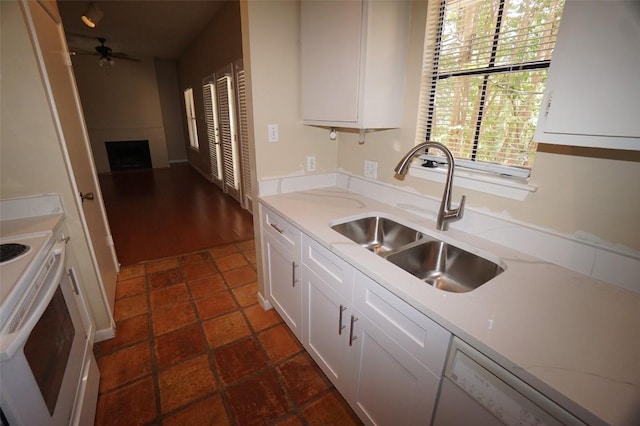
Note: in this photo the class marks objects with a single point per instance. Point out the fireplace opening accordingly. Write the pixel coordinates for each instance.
(128, 155)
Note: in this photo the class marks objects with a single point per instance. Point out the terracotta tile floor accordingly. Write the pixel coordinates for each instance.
(193, 347)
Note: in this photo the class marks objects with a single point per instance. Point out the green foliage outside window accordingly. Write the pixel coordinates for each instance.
(490, 71)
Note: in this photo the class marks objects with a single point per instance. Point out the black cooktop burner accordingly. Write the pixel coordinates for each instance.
(11, 251)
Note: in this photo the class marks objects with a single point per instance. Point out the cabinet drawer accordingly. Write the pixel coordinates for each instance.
(283, 231)
(337, 273)
(420, 336)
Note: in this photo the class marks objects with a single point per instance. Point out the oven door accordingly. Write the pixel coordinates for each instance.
(41, 366)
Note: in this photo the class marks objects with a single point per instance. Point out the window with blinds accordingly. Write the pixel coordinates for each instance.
(191, 118)
(484, 73)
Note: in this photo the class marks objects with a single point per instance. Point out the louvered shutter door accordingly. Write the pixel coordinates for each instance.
(211, 118)
(244, 136)
(227, 132)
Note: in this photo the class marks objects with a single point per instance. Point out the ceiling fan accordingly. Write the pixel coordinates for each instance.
(105, 53)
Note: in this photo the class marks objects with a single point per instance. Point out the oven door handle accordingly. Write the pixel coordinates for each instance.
(33, 304)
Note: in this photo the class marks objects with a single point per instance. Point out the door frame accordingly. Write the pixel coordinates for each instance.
(81, 159)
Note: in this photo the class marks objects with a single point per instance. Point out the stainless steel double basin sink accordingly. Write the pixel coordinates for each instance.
(436, 262)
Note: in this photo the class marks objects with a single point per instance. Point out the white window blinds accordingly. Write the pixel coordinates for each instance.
(484, 72)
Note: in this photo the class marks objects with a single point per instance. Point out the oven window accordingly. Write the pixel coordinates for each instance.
(48, 347)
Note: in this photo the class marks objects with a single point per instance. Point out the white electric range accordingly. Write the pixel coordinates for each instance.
(47, 369)
(17, 273)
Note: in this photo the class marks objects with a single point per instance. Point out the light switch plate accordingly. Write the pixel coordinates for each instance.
(273, 130)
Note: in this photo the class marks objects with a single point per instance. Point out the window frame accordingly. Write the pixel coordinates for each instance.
(190, 114)
(431, 76)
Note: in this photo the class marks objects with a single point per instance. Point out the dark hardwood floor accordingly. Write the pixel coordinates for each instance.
(168, 212)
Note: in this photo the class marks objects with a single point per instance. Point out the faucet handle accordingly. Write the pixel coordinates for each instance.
(460, 209)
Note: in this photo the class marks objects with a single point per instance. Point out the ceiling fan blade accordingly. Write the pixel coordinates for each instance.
(120, 55)
(79, 51)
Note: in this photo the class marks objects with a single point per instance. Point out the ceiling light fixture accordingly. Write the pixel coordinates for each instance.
(92, 16)
(104, 61)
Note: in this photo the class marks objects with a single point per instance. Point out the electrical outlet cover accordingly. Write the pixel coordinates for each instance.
(371, 169)
(311, 163)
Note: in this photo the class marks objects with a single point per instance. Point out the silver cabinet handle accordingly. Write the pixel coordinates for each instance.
(294, 265)
(72, 278)
(340, 326)
(277, 228)
(351, 336)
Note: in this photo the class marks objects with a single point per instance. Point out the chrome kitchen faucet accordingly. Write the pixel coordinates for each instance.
(445, 214)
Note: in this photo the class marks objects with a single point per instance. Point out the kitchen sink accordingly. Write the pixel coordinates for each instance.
(378, 234)
(445, 266)
(436, 262)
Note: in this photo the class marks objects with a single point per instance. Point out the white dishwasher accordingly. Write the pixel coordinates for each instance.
(477, 391)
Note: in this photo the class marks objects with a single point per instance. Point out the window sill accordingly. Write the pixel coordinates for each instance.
(512, 188)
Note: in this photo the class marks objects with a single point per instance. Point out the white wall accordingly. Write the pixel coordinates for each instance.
(121, 103)
(272, 37)
(171, 107)
(31, 160)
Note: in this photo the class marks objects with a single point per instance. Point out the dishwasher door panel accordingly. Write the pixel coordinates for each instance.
(456, 408)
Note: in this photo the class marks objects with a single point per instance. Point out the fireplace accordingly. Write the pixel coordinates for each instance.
(128, 155)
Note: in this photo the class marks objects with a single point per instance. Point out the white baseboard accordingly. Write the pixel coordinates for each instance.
(266, 305)
(105, 334)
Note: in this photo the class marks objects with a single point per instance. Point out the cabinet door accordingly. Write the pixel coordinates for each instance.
(391, 386)
(593, 92)
(330, 59)
(326, 336)
(421, 337)
(282, 273)
(353, 60)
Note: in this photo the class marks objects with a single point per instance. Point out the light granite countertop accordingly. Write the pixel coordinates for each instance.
(572, 337)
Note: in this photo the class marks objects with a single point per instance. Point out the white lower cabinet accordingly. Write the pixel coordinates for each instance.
(327, 283)
(285, 291)
(425, 340)
(281, 254)
(383, 356)
(399, 358)
(391, 386)
(326, 335)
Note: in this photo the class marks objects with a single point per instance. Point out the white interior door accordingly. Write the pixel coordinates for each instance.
(48, 34)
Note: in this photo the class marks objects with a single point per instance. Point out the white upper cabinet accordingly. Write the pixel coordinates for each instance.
(353, 56)
(593, 90)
